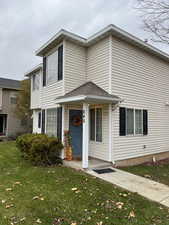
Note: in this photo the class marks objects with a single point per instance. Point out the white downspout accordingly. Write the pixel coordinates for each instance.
(85, 147)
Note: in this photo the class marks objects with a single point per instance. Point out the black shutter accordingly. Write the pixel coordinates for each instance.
(145, 122)
(44, 71)
(43, 121)
(59, 123)
(60, 63)
(122, 122)
(39, 120)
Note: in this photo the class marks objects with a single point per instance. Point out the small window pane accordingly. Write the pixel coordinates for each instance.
(92, 124)
(99, 125)
(51, 123)
(52, 67)
(35, 85)
(138, 122)
(13, 100)
(130, 121)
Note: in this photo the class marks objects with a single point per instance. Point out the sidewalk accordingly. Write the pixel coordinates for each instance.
(147, 188)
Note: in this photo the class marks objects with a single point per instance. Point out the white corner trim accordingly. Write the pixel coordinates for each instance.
(110, 64)
(110, 134)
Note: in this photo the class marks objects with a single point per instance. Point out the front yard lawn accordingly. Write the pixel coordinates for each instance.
(62, 196)
(158, 172)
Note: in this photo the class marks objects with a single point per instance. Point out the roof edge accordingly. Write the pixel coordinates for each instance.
(110, 29)
(34, 69)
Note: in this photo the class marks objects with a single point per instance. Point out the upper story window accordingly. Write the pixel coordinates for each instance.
(35, 82)
(53, 67)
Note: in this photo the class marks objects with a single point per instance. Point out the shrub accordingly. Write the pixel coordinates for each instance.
(40, 149)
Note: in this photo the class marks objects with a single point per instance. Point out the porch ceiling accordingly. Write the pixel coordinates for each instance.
(90, 93)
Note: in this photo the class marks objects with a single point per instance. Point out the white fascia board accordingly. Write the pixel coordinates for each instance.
(95, 97)
(86, 98)
(61, 33)
(70, 99)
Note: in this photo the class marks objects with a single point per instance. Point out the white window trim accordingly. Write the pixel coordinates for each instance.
(134, 133)
(97, 107)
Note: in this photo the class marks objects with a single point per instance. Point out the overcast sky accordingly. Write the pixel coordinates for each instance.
(27, 24)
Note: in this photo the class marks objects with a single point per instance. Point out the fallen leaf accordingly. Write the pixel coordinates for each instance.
(38, 221)
(74, 189)
(35, 198)
(18, 183)
(9, 206)
(23, 219)
(119, 205)
(100, 223)
(8, 189)
(131, 214)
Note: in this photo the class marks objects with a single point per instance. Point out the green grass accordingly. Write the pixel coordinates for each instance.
(94, 202)
(159, 173)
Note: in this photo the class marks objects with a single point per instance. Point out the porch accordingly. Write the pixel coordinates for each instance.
(87, 116)
(92, 164)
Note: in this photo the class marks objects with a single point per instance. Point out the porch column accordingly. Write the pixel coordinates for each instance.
(63, 128)
(85, 147)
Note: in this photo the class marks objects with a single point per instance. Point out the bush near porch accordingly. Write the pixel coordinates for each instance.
(40, 149)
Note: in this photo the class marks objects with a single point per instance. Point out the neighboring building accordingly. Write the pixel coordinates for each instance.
(111, 91)
(10, 125)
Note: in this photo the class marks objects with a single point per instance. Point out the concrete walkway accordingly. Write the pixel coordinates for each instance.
(147, 188)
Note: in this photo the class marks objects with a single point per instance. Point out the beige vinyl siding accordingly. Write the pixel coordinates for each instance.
(54, 89)
(74, 66)
(100, 150)
(35, 94)
(98, 63)
(98, 72)
(142, 80)
(50, 93)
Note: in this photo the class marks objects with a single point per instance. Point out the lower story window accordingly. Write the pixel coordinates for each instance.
(133, 121)
(96, 124)
(51, 122)
(54, 122)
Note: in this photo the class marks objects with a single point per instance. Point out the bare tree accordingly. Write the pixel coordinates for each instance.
(155, 14)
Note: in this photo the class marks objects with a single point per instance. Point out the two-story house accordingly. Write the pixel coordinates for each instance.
(111, 91)
(10, 125)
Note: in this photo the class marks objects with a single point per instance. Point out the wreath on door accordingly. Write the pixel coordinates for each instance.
(76, 121)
